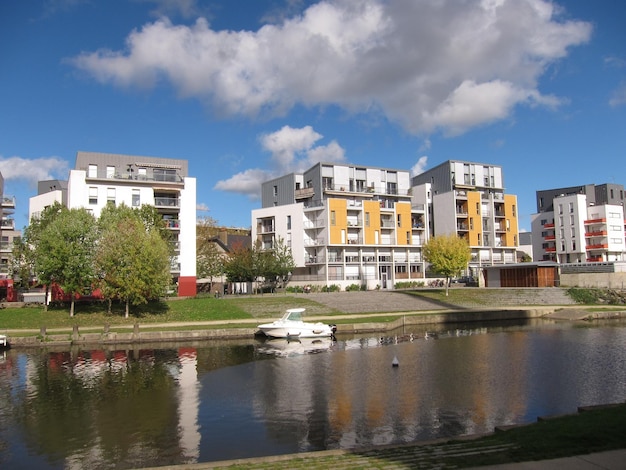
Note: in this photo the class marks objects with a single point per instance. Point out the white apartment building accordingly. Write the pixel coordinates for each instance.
(578, 232)
(345, 224)
(99, 179)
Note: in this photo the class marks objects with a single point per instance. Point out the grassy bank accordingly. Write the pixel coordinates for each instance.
(198, 309)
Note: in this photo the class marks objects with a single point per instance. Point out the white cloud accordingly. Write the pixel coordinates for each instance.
(420, 166)
(430, 65)
(33, 170)
(292, 150)
(202, 207)
(618, 97)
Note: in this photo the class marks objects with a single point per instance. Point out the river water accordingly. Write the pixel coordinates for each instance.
(136, 406)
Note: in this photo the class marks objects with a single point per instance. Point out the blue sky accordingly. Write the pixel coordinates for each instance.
(249, 90)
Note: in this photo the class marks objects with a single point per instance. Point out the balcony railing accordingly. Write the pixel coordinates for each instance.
(595, 221)
(166, 202)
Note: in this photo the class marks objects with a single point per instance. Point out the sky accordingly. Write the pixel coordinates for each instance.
(248, 90)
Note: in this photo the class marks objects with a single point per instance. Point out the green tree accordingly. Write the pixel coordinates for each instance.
(274, 265)
(448, 255)
(25, 259)
(64, 252)
(209, 259)
(133, 260)
(239, 265)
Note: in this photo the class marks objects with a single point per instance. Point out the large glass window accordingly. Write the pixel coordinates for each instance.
(92, 172)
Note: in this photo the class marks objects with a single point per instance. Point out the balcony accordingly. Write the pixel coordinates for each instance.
(599, 233)
(172, 224)
(7, 224)
(169, 202)
(304, 193)
(8, 202)
(599, 246)
(595, 221)
(550, 225)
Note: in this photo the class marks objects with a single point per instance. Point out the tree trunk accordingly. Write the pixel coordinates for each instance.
(447, 285)
(127, 309)
(109, 307)
(72, 307)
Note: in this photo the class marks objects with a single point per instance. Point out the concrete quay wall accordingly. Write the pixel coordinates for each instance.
(144, 334)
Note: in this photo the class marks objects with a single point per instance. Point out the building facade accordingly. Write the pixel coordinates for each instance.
(8, 234)
(345, 225)
(468, 199)
(99, 179)
(580, 224)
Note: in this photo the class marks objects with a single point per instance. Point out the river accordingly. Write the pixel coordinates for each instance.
(136, 406)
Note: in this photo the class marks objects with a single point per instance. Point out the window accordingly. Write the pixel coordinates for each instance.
(136, 198)
(275, 191)
(478, 208)
(110, 171)
(367, 219)
(513, 209)
(333, 218)
(288, 222)
(571, 207)
(399, 220)
(141, 174)
(560, 208)
(93, 195)
(92, 172)
(111, 196)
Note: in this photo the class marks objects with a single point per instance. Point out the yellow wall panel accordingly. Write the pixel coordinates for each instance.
(339, 208)
(373, 209)
(403, 230)
(512, 216)
(474, 215)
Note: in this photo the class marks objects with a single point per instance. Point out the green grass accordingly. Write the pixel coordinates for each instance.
(172, 311)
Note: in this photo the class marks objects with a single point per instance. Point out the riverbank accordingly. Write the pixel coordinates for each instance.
(239, 329)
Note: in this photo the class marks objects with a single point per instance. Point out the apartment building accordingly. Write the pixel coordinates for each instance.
(345, 224)
(8, 234)
(468, 198)
(580, 224)
(99, 179)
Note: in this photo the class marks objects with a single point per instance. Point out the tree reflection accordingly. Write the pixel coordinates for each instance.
(121, 406)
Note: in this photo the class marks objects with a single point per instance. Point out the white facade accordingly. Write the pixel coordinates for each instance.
(37, 204)
(100, 179)
(577, 232)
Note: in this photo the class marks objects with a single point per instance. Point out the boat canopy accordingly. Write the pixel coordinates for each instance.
(294, 314)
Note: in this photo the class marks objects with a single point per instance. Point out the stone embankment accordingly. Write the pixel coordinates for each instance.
(482, 305)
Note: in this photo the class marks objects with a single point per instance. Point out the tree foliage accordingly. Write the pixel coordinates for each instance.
(448, 255)
(132, 258)
(64, 252)
(209, 259)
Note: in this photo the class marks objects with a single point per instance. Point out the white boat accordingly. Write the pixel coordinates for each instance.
(291, 325)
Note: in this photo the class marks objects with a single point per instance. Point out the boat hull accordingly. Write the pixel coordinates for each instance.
(296, 330)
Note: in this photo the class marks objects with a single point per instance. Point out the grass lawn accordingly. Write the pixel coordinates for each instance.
(198, 309)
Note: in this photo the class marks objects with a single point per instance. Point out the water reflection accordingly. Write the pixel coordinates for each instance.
(135, 407)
